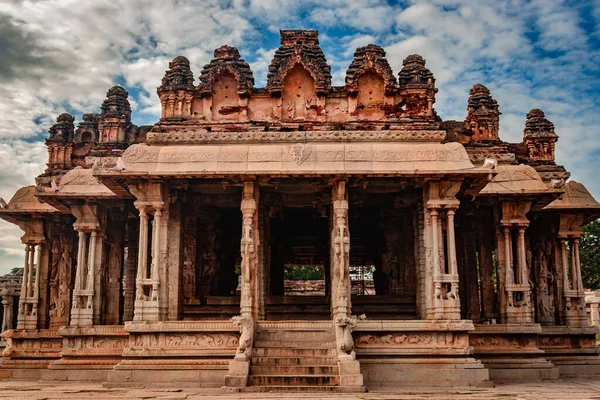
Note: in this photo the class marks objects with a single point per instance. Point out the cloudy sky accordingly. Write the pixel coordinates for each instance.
(63, 55)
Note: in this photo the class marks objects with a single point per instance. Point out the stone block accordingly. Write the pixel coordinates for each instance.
(351, 380)
(349, 367)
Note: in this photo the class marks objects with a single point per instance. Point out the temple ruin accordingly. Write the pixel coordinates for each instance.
(156, 254)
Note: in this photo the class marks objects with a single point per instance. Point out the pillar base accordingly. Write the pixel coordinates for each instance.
(510, 352)
(28, 353)
(571, 349)
(176, 353)
(88, 353)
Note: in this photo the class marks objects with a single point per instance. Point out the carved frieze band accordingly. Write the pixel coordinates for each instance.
(180, 341)
(409, 339)
(202, 136)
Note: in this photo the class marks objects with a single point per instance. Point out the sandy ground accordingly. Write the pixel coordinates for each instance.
(588, 389)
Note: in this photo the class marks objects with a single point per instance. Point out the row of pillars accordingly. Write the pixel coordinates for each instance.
(30, 287)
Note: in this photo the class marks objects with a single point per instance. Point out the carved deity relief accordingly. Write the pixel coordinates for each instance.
(341, 245)
(544, 285)
(60, 276)
(248, 247)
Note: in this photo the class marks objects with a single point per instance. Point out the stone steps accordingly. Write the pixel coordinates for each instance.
(294, 335)
(290, 361)
(294, 370)
(290, 380)
(294, 358)
(294, 344)
(293, 352)
(266, 389)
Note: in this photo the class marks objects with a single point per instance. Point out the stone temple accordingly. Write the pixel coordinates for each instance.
(157, 254)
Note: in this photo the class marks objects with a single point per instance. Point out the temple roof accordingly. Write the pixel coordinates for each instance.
(576, 198)
(517, 180)
(23, 204)
(322, 158)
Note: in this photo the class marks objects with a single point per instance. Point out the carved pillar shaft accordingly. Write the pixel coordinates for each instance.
(32, 265)
(142, 253)
(564, 259)
(508, 257)
(248, 250)
(156, 238)
(36, 286)
(7, 316)
(22, 305)
(341, 251)
(91, 267)
(435, 245)
(80, 258)
(451, 243)
(522, 260)
(133, 232)
(577, 265)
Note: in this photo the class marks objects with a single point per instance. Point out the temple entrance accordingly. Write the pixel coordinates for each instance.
(297, 250)
(212, 233)
(298, 288)
(383, 218)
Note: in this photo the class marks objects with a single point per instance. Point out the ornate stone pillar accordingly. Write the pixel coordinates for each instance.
(517, 307)
(34, 240)
(85, 307)
(340, 288)
(7, 303)
(249, 251)
(486, 234)
(442, 297)
(239, 367)
(133, 232)
(151, 297)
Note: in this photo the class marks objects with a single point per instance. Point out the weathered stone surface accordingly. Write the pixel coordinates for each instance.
(159, 255)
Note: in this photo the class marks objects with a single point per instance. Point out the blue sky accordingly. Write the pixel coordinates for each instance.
(63, 55)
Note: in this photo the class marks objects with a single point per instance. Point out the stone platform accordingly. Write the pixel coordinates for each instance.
(549, 390)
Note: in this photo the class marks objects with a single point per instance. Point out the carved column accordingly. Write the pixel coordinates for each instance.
(87, 296)
(133, 231)
(442, 296)
(151, 297)
(239, 367)
(340, 288)
(340, 259)
(486, 239)
(516, 306)
(568, 238)
(249, 251)
(29, 300)
(113, 306)
(7, 303)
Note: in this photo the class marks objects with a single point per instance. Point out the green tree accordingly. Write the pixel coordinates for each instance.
(304, 272)
(589, 254)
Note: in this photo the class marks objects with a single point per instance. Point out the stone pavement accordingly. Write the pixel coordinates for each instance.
(576, 389)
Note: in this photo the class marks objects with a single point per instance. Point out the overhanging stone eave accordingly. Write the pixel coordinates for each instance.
(15, 216)
(539, 199)
(149, 175)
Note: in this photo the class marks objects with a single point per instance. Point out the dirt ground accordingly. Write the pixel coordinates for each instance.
(588, 389)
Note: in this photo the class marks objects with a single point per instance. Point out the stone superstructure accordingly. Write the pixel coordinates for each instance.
(157, 254)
